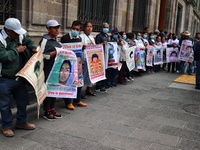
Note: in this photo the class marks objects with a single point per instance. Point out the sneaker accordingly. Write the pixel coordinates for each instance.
(7, 132)
(130, 78)
(97, 90)
(56, 114)
(25, 126)
(49, 116)
(103, 90)
(127, 79)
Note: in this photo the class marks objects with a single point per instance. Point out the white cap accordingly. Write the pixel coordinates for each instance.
(15, 25)
(52, 23)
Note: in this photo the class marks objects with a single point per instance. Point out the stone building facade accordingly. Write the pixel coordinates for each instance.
(127, 15)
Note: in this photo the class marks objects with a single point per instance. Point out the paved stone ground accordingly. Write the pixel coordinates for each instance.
(150, 113)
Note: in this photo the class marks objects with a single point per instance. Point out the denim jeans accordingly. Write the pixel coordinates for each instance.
(111, 75)
(198, 74)
(20, 93)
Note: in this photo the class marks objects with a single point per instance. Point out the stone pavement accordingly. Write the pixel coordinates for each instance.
(149, 113)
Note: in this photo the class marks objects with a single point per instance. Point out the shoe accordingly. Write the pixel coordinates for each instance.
(49, 116)
(107, 87)
(127, 79)
(25, 126)
(90, 93)
(103, 90)
(97, 90)
(114, 84)
(198, 88)
(70, 106)
(81, 104)
(130, 78)
(189, 73)
(56, 114)
(7, 132)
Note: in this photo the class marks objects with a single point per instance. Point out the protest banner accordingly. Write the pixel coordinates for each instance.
(34, 74)
(149, 57)
(186, 51)
(158, 56)
(172, 54)
(130, 57)
(63, 78)
(140, 59)
(111, 55)
(77, 49)
(95, 63)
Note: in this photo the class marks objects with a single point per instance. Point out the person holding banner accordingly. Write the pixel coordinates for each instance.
(102, 38)
(48, 46)
(12, 48)
(74, 37)
(186, 49)
(87, 39)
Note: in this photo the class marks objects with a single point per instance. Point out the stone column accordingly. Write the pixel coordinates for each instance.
(129, 17)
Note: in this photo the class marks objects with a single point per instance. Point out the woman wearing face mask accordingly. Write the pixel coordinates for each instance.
(124, 69)
(87, 39)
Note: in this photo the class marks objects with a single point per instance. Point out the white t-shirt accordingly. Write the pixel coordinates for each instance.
(171, 41)
(87, 39)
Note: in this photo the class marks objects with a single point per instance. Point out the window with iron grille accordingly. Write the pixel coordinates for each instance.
(95, 11)
(139, 15)
(7, 10)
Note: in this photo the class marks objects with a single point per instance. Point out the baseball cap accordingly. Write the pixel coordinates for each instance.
(52, 23)
(14, 25)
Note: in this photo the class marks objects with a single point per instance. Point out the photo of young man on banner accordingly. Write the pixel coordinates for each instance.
(172, 54)
(140, 59)
(77, 49)
(111, 55)
(95, 62)
(186, 51)
(158, 56)
(63, 78)
(149, 57)
(130, 57)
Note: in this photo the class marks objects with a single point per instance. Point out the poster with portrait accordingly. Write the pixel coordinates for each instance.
(149, 57)
(95, 63)
(130, 57)
(164, 52)
(186, 51)
(140, 59)
(62, 81)
(34, 74)
(172, 54)
(77, 49)
(158, 56)
(111, 55)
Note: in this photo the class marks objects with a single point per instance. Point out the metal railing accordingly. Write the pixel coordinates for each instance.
(7, 9)
(95, 11)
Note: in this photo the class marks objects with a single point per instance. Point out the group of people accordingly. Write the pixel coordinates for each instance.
(13, 43)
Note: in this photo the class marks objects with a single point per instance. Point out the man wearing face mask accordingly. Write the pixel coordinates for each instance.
(102, 38)
(73, 37)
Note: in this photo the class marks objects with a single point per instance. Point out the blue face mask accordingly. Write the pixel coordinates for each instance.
(115, 36)
(105, 30)
(138, 37)
(152, 37)
(145, 36)
(74, 33)
(124, 37)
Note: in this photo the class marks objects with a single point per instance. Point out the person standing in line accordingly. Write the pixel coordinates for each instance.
(102, 38)
(11, 51)
(87, 39)
(48, 45)
(197, 59)
(73, 37)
